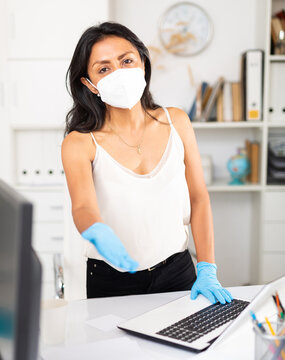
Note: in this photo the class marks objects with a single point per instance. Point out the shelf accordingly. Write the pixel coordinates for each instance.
(227, 125)
(277, 58)
(30, 126)
(275, 187)
(221, 185)
(39, 187)
(276, 125)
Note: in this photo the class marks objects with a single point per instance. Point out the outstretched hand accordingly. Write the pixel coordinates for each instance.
(109, 246)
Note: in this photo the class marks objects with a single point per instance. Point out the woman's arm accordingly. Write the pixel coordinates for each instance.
(201, 213)
(77, 154)
(76, 159)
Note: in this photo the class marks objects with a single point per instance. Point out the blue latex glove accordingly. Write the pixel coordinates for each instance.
(109, 246)
(208, 285)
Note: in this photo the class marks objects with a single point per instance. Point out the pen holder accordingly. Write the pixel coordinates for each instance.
(267, 346)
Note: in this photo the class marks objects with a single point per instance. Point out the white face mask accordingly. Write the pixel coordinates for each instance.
(123, 88)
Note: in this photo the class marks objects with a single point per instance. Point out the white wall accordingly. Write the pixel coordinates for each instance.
(234, 32)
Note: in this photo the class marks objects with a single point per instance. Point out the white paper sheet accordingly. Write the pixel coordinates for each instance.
(106, 323)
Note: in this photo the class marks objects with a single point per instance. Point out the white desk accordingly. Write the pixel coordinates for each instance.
(79, 334)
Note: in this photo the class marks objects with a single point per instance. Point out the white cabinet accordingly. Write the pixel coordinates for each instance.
(48, 230)
(277, 91)
(38, 38)
(273, 236)
(37, 93)
(37, 157)
(50, 29)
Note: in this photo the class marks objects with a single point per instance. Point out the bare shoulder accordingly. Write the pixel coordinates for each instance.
(78, 144)
(181, 122)
(178, 117)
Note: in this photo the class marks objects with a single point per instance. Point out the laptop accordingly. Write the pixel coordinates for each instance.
(197, 324)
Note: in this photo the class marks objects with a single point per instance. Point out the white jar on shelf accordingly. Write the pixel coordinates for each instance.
(207, 168)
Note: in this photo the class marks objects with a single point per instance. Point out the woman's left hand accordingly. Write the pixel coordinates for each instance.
(208, 285)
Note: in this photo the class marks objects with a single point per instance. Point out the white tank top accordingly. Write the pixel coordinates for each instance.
(150, 213)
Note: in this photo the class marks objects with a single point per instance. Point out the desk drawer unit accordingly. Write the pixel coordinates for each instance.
(48, 229)
(48, 205)
(48, 237)
(273, 247)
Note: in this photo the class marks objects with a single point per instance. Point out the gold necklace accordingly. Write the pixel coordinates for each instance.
(138, 146)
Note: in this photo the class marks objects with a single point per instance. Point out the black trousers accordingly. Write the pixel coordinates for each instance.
(177, 274)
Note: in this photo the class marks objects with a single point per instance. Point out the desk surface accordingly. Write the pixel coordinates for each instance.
(81, 335)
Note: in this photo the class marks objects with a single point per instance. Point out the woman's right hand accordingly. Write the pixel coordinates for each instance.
(109, 246)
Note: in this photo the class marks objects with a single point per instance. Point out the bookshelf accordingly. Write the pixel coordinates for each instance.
(227, 125)
(267, 246)
(269, 252)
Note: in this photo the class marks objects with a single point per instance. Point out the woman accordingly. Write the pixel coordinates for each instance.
(131, 168)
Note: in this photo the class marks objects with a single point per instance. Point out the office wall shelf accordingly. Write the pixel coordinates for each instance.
(277, 58)
(223, 186)
(276, 125)
(39, 187)
(227, 125)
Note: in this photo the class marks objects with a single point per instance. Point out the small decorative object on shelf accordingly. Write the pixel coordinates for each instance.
(238, 166)
(207, 165)
(278, 33)
(276, 160)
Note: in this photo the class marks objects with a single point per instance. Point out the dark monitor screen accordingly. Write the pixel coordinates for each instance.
(20, 278)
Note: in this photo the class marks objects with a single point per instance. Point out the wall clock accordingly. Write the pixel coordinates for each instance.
(185, 29)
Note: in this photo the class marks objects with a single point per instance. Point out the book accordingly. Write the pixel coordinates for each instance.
(236, 100)
(252, 149)
(206, 114)
(220, 116)
(227, 102)
(252, 84)
(192, 112)
(248, 153)
(254, 161)
(198, 103)
(206, 96)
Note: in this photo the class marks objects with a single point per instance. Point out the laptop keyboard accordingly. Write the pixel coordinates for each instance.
(204, 321)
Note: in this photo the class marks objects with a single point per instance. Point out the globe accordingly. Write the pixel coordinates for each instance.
(239, 167)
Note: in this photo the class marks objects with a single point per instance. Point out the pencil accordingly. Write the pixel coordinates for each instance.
(270, 326)
(277, 342)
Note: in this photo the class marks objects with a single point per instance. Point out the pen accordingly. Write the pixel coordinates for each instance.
(279, 306)
(255, 321)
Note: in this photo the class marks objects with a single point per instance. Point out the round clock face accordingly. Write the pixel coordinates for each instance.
(185, 29)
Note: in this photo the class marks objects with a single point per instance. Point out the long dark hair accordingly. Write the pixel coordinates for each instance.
(88, 111)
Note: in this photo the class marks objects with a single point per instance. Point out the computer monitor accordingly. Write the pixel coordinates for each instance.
(20, 278)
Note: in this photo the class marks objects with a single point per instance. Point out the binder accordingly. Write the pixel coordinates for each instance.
(28, 157)
(252, 84)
